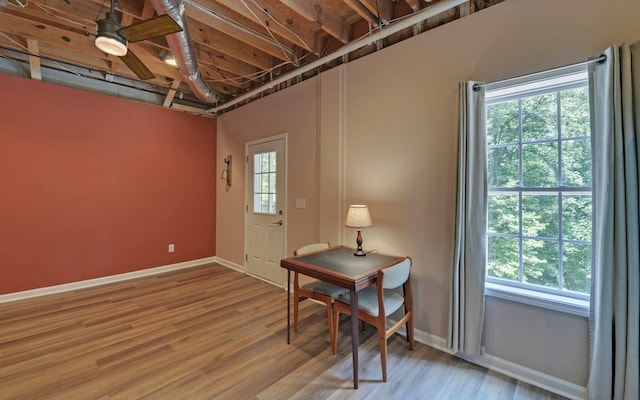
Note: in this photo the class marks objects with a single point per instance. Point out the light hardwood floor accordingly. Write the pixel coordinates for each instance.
(209, 332)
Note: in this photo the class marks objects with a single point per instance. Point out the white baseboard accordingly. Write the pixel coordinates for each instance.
(504, 367)
(103, 280)
(232, 265)
(243, 269)
(531, 376)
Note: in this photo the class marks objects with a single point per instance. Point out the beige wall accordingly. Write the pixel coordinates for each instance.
(381, 130)
(292, 112)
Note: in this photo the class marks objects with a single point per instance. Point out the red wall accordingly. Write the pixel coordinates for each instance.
(93, 185)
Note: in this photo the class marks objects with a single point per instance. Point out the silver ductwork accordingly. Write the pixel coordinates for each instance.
(183, 51)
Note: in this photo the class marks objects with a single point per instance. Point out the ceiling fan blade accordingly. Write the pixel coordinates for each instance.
(150, 28)
(136, 65)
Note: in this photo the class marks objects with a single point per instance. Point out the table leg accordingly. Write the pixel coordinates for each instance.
(288, 306)
(354, 335)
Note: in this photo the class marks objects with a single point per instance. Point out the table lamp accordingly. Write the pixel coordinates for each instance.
(358, 217)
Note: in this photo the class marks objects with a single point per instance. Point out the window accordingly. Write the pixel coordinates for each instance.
(264, 183)
(539, 187)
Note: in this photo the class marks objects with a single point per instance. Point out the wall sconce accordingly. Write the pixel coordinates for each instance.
(226, 172)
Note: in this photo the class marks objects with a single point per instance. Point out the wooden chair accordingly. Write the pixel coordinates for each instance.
(377, 302)
(317, 290)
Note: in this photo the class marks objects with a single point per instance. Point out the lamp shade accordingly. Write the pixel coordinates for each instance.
(358, 217)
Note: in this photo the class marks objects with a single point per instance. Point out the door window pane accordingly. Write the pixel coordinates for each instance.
(264, 183)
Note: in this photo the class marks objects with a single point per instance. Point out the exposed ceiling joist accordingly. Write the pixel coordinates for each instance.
(236, 45)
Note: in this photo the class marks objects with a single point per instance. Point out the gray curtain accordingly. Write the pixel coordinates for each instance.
(615, 293)
(467, 304)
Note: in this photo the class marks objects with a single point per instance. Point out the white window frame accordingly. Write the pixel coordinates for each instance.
(570, 303)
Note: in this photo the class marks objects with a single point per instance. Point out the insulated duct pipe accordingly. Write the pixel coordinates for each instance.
(416, 18)
(183, 51)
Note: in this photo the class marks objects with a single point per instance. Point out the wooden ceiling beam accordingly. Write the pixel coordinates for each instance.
(27, 27)
(260, 42)
(76, 58)
(147, 10)
(222, 83)
(416, 5)
(84, 12)
(287, 26)
(34, 60)
(217, 60)
(172, 93)
(232, 47)
(322, 15)
(362, 11)
(90, 11)
(380, 8)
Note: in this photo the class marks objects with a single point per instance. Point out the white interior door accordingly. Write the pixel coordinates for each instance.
(265, 210)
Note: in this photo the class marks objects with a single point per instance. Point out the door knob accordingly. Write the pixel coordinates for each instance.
(278, 223)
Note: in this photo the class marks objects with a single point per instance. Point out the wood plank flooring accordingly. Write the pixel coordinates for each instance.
(209, 332)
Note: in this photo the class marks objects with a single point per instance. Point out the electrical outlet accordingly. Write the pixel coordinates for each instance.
(172, 248)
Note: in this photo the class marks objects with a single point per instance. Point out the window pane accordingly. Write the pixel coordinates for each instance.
(540, 262)
(502, 258)
(540, 165)
(540, 215)
(264, 203)
(575, 112)
(576, 217)
(272, 204)
(272, 182)
(576, 163)
(539, 184)
(502, 166)
(576, 260)
(264, 183)
(540, 117)
(502, 123)
(503, 214)
(272, 161)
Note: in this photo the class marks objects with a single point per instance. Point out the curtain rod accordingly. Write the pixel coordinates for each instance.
(600, 60)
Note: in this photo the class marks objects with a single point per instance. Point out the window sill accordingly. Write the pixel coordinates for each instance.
(537, 299)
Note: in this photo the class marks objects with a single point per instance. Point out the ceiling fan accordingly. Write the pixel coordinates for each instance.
(112, 38)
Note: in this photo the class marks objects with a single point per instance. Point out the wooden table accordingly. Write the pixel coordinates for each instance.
(338, 265)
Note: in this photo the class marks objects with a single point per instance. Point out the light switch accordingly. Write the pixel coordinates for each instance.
(301, 203)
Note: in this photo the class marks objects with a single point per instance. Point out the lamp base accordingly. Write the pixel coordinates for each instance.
(359, 251)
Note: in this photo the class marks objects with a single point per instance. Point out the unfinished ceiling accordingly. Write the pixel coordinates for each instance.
(230, 52)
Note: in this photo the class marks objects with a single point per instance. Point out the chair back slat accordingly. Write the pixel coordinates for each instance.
(309, 248)
(396, 275)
